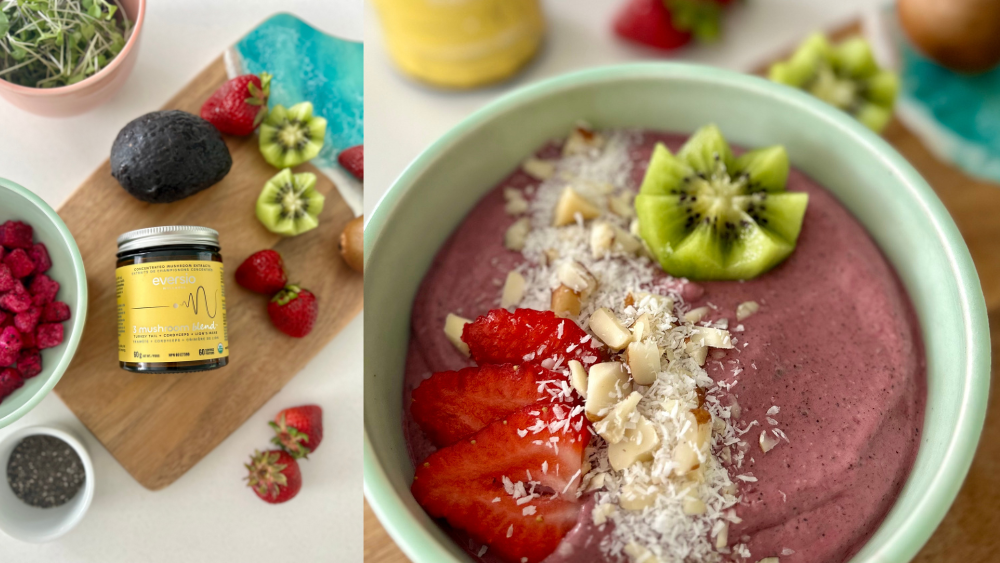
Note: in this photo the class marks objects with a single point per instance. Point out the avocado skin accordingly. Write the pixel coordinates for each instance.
(165, 156)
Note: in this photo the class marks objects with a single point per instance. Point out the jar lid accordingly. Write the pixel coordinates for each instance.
(167, 236)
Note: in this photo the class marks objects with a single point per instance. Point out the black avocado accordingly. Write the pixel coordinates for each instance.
(165, 156)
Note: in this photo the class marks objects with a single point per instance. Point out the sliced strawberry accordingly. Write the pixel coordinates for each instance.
(527, 335)
(465, 482)
(649, 22)
(451, 405)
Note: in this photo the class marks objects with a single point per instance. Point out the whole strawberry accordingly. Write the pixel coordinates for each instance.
(239, 105)
(353, 160)
(274, 476)
(669, 24)
(293, 310)
(263, 272)
(299, 430)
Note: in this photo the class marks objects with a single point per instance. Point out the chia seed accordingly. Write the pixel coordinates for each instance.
(44, 471)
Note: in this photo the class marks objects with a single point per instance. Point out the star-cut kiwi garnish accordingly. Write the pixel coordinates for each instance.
(708, 215)
(844, 75)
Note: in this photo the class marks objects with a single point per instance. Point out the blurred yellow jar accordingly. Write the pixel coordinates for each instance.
(461, 43)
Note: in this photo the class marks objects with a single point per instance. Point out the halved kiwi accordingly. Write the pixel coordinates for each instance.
(289, 137)
(707, 215)
(844, 75)
(289, 204)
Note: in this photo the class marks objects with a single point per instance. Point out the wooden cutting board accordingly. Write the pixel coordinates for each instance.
(159, 426)
(969, 531)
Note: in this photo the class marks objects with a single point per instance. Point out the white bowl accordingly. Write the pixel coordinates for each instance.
(38, 525)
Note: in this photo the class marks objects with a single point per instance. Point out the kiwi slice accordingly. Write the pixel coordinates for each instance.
(289, 205)
(708, 215)
(289, 137)
(844, 75)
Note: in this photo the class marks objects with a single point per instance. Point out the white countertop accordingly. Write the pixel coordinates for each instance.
(403, 117)
(208, 515)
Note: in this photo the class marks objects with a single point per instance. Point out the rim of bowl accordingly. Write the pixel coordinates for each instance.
(115, 63)
(79, 316)
(88, 485)
(918, 525)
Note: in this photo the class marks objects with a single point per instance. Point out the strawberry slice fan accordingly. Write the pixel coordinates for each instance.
(511, 434)
(670, 24)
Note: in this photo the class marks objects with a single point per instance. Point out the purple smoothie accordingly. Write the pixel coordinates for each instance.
(835, 346)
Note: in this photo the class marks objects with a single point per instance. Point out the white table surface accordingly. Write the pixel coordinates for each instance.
(208, 515)
(403, 117)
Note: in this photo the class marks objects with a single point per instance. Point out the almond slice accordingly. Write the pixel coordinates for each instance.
(601, 513)
(639, 554)
(767, 441)
(602, 238)
(515, 202)
(609, 329)
(637, 445)
(644, 361)
(581, 140)
(612, 427)
(570, 204)
(713, 337)
(538, 168)
(578, 377)
(722, 539)
(453, 327)
(573, 275)
(642, 327)
(693, 506)
(517, 234)
(745, 309)
(621, 204)
(565, 302)
(695, 316)
(513, 289)
(607, 384)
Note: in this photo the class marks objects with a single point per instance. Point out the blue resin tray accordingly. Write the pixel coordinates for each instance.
(956, 115)
(309, 65)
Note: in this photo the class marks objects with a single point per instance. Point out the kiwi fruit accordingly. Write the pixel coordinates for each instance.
(352, 244)
(289, 204)
(289, 137)
(844, 75)
(709, 215)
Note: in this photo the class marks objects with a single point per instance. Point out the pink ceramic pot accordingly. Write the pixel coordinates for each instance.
(86, 94)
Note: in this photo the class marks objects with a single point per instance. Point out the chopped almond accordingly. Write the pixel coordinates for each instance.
(517, 234)
(644, 361)
(745, 309)
(565, 302)
(513, 289)
(607, 384)
(609, 329)
(578, 377)
(539, 169)
(453, 327)
(570, 204)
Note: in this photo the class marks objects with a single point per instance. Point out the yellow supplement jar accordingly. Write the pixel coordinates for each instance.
(171, 301)
(461, 43)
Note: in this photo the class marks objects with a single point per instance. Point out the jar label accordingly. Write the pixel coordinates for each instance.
(172, 311)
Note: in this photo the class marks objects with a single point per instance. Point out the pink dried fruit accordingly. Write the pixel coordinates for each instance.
(7, 278)
(55, 312)
(15, 234)
(10, 381)
(39, 254)
(43, 290)
(28, 320)
(17, 300)
(29, 363)
(10, 342)
(49, 335)
(19, 263)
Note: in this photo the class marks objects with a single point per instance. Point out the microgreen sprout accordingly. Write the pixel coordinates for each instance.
(51, 43)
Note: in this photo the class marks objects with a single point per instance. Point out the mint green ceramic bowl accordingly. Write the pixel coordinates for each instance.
(883, 191)
(20, 204)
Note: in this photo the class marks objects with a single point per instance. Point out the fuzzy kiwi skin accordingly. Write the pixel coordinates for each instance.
(352, 244)
(963, 35)
(166, 156)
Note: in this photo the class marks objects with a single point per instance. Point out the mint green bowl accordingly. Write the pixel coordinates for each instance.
(20, 204)
(884, 192)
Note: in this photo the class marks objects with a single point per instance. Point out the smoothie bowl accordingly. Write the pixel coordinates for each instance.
(825, 409)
